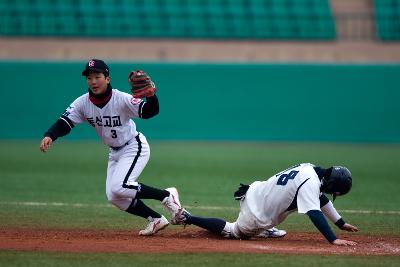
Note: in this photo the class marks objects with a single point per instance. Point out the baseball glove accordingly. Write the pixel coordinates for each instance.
(141, 84)
(240, 194)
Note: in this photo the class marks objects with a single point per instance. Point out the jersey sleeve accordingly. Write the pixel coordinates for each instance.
(308, 196)
(329, 211)
(74, 114)
(134, 106)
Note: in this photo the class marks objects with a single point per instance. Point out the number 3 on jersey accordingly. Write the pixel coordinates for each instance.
(114, 134)
(284, 178)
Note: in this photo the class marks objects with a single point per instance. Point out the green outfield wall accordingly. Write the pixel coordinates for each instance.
(265, 102)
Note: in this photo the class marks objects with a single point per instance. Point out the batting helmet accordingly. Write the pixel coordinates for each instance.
(338, 181)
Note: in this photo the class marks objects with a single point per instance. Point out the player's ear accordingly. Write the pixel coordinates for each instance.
(108, 79)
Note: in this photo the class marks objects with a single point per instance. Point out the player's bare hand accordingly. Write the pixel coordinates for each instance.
(45, 144)
(342, 242)
(349, 228)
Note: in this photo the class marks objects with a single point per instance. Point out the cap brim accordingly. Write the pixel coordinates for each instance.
(88, 71)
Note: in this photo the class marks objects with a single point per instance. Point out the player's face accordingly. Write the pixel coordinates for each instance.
(97, 83)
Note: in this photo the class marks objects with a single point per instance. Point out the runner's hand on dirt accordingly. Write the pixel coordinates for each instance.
(342, 242)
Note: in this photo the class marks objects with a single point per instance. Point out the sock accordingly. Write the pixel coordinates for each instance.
(148, 192)
(214, 225)
(138, 208)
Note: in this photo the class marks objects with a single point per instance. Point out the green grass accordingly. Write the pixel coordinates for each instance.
(206, 174)
(11, 259)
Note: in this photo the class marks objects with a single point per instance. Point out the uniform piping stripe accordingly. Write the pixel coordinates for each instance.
(68, 121)
(124, 185)
(293, 205)
(141, 108)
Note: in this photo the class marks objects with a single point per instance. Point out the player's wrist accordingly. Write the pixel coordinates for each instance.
(49, 135)
(339, 223)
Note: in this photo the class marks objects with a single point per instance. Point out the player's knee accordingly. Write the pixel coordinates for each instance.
(120, 196)
(124, 190)
(119, 191)
(114, 198)
(122, 204)
(116, 192)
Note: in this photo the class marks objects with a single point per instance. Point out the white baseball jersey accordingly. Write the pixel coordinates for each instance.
(113, 122)
(269, 202)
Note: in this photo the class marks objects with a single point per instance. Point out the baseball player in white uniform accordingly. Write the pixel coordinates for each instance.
(266, 204)
(109, 112)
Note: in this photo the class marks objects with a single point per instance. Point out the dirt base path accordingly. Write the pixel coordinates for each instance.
(188, 240)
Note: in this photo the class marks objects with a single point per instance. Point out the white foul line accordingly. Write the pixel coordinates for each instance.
(86, 205)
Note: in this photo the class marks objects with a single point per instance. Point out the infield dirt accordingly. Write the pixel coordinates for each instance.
(189, 239)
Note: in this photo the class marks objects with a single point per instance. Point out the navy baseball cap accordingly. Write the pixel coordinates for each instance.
(96, 65)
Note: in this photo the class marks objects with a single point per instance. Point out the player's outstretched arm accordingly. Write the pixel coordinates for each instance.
(329, 211)
(45, 144)
(320, 222)
(342, 242)
(60, 128)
